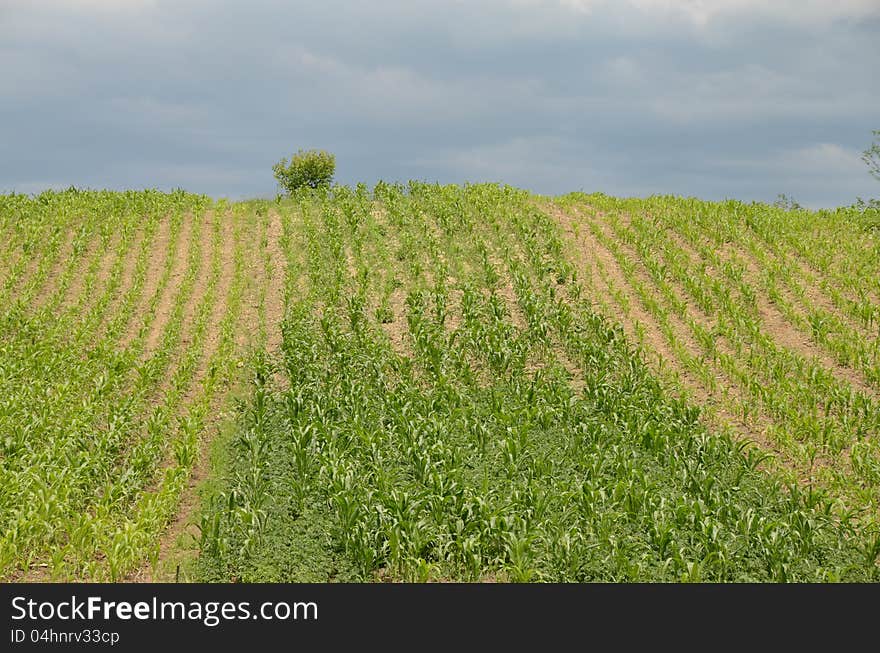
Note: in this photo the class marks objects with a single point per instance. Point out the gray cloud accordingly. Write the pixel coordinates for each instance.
(732, 98)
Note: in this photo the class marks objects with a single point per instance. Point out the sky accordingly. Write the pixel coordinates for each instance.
(741, 99)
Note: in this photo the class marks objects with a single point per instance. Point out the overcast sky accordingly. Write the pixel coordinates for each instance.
(728, 98)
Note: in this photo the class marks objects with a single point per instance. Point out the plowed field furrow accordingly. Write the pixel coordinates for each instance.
(166, 246)
(121, 283)
(430, 382)
(275, 301)
(669, 343)
(177, 280)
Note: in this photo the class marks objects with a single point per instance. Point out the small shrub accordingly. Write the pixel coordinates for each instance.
(306, 169)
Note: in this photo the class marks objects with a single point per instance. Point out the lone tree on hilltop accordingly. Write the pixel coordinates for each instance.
(306, 169)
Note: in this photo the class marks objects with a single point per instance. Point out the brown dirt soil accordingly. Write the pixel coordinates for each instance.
(815, 278)
(785, 334)
(255, 282)
(182, 523)
(165, 306)
(454, 315)
(75, 289)
(789, 336)
(810, 280)
(54, 275)
(661, 357)
(211, 335)
(126, 281)
(506, 292)
(588, 249)
(595, 262)
(102, 275)
(275, 289)
(780, 329)
(397, 330)
(221, 302)
(723, 410)
(202, 231)
(193, 227)
(189, 500)
(160, 251)
(756, 428)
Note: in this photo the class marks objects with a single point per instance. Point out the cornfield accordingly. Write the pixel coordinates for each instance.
(424, 383)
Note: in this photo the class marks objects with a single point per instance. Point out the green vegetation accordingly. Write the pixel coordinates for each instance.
(452, 408)
(307, 169)
(115, 340)
(769, 318)
(432, 382)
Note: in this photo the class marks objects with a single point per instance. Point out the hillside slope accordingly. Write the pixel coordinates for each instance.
(436, 382)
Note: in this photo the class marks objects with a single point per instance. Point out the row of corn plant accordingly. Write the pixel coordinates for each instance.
(475, 455)
(64, 428)
(814, 412)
